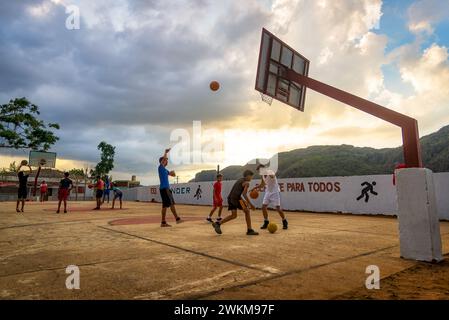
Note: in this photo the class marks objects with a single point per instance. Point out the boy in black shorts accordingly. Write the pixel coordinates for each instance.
(164, 188)
(22, 193)
(99, 186)
(235, 202)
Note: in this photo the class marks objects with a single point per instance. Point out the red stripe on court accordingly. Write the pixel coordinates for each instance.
(86, 209)
(147, 220)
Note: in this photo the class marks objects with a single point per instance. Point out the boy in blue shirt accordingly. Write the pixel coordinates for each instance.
(166, 194)
(107, 188)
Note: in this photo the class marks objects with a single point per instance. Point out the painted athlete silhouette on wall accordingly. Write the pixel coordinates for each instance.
(369, 187)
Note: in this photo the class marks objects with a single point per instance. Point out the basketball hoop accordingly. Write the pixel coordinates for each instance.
(267, 99)
(276, 61)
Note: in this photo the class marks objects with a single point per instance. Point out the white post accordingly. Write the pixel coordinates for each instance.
(419, 226)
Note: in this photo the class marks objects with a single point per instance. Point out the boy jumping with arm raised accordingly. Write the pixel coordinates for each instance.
(166, 194)
(23, 182)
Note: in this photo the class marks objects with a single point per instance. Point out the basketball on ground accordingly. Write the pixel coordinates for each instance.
(272, 227)
(214, 85)
(254, 194)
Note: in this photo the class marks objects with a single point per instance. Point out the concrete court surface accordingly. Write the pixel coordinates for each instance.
(124, 254)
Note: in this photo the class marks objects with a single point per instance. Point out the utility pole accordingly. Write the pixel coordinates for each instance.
(85, 182)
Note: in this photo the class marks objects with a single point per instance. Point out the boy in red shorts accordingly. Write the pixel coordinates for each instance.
(44, 190)
(65, 185)
(99, 187)
(218, 200)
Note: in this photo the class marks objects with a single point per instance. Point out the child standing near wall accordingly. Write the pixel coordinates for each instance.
(217, 199)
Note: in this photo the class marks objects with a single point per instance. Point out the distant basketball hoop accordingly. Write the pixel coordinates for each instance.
(42, 159)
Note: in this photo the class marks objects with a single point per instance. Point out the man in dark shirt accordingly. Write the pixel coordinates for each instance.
(23, 181)
(65, 185)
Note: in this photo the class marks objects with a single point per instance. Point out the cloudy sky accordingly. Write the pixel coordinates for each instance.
(136, 74)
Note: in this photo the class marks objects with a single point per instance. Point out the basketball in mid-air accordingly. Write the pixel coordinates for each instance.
(24, 163)
(90, 186)
(272, 227)
(254, 194)
(214, 85)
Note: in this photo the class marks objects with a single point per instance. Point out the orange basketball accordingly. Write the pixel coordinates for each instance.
(90, 186)
(214, 85)
(254, 194)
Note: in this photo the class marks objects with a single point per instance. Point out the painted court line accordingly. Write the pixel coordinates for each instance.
(62, 268)
(284, 274)
(236, 263)
(271, 276)
(63, 222)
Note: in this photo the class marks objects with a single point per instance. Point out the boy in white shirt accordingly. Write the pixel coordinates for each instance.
(272, 195)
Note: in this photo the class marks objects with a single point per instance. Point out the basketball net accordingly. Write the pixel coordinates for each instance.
(267, 99)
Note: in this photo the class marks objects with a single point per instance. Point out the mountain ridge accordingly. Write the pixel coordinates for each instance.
(345, 160)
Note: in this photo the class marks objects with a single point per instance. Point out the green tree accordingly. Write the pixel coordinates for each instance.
(13, 167)
(3, 173)
(77, 173)
(20, 127)
(106, 163)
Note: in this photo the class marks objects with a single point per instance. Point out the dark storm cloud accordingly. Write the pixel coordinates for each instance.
(102, 77)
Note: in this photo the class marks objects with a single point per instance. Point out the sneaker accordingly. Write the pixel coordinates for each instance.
(17, 210)
(179, 220)
(285, 224)
(265, 224)
(165, 225)
(251, 232)
(219, 219)
(217, 228)
(65, 211)
(57, 211)
(209, 219)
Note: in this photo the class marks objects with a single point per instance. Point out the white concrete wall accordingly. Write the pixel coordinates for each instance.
(328, 194)
(419, 230)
